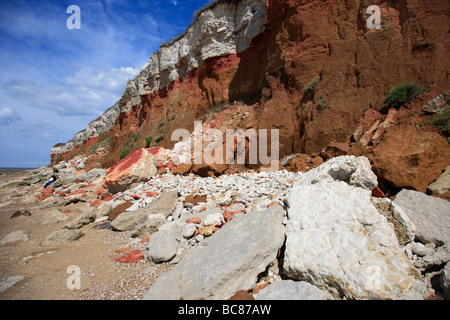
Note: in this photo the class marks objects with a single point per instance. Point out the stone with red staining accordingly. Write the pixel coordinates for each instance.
(99, 191)
(228, 215)
(260, 287)
(195, 200)
(130, 257)
(273, 204)
(137, 167)
(135, 196)
(378, 193)
(144, 240)
(82, 192)
(152, 194)
(96, 203)
(194, 220)
(45, 194)
(118, 210)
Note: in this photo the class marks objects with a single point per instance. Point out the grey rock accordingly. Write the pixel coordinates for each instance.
(437, 258)
(442, 183)
(81, 221)
(430, 215)
(213, 219)
(189, 230)
(178, 210)
(420, 249)
(230, 260)
(11, 281)
(15, 236)
(445, 281)
(85, 176)
(163, 245)
(129, 220)
(61, 236)
(438, 104)
(292, 290)
(53, 216)
(164, 205)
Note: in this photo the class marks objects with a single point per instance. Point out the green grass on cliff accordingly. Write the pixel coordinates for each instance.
(404, 93)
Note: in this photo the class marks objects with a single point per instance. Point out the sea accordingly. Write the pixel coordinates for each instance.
(15, 169)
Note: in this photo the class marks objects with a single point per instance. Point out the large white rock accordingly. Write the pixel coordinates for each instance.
(338, 241)
(230, 260)
(292, 290)
(356, 171)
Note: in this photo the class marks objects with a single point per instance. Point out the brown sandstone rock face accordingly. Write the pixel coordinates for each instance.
(136, 167)
(408, 157)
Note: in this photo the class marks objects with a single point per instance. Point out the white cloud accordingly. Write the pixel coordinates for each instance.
(87, 91)
(7, 117)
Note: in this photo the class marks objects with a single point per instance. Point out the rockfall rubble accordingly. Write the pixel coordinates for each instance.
(320, 234)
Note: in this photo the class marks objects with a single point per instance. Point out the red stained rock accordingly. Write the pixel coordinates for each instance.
(130, 257)
(96, 203)
(152, 194)
(136, 167)
(82, 192)
(144, 240)
(409, 157)
(378, 193)
(195, 200)
(273, 204)
(118, 210)
(99, 191)
(45, 194)
(194, 220)
(228, 215)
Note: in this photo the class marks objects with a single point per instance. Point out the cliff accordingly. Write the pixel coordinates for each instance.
(310, 69)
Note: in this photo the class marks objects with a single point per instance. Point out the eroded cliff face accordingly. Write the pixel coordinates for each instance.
(309, 68)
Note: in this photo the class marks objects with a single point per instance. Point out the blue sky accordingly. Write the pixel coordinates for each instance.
(54, 81)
